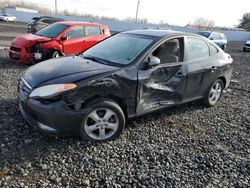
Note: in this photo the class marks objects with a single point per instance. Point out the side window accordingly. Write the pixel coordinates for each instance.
(53, 20)
(212, 36)
(170, 51)
(47, 21)
(197, 48)
(222, 36)
(213, 49)
(75, 32)
(217, 36)
(92, 31)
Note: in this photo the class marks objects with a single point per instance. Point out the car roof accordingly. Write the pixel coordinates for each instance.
(71, 23)
(49, 17)
(159, 33)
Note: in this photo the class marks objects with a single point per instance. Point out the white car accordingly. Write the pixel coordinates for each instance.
(247, 46)
(8, 18)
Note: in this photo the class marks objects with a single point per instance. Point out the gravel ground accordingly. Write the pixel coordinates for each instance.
(186, 146)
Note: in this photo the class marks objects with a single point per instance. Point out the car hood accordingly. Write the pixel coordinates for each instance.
(29, 39)
(63, 70)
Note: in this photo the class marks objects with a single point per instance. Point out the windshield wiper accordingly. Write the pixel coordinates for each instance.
(92, 58)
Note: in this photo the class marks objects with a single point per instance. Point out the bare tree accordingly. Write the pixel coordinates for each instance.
(245, 22)
(163, 23)
(203, 23)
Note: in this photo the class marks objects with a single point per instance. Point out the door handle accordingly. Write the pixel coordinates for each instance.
(179, 74)
(213, 68)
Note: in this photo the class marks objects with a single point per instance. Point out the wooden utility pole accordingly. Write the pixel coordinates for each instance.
(137, 9)
(55, 6)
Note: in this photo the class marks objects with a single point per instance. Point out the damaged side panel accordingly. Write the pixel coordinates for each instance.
(161, 86)
(120, 86)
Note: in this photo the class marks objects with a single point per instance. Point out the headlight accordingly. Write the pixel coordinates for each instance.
(51, 90)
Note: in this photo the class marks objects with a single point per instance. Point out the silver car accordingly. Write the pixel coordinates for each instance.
(8, 18)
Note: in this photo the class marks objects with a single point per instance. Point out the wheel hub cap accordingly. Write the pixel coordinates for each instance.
(215, 93)
(101, 124)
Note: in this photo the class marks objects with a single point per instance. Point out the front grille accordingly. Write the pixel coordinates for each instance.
(24, 89)
(14, 56)
(15, 49)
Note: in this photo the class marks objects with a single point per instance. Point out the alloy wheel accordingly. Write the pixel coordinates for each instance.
(215, 93)
(101, 124)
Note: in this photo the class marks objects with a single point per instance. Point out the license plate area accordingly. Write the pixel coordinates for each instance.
(37, 55)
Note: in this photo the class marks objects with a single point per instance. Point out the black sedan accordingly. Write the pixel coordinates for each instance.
(129, 74)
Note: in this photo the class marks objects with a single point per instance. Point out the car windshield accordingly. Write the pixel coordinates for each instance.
(205, 34)
(120, 49)
(52, 31)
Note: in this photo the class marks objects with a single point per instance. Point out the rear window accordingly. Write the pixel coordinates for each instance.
(92, 31)
(213, 49)
(75, 32)
(197, 49)
(52, 31)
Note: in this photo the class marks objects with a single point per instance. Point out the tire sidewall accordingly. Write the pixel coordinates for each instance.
(207, 101)
(54, 53)
(104, 104)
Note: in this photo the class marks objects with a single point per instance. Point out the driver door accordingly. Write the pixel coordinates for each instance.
(164, 84)
(75, 40)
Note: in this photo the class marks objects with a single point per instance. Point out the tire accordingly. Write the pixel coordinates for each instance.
(214, 93)
(95, 127)
(55, 54)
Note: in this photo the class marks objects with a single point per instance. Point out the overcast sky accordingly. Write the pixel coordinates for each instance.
(175, 12)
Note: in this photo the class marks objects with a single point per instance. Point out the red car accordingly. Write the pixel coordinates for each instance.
(58, 39)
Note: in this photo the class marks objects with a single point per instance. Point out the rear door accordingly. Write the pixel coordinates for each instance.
(75, 40)
(163, 85)
(93, 34)
(202, 67)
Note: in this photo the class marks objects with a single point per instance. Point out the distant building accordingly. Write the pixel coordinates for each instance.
(214, 28)
(9, 10)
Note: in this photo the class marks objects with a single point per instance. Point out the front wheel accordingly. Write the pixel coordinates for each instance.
(103, 121)
(214, 93)
(55, 54)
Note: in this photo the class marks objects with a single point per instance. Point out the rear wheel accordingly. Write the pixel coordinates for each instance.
(214, 93)
(103, 121)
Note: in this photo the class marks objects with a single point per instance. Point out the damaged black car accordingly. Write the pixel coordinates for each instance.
(130, 74)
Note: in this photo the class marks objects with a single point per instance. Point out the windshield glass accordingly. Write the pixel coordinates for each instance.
(52, 31)
(120, 49)
(205, 34)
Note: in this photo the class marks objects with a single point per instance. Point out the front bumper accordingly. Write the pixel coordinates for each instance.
(246, 48)
(55, 118)
(20, 55)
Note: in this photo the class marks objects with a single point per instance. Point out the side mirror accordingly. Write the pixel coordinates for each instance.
(64, 37)
(153, 61)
